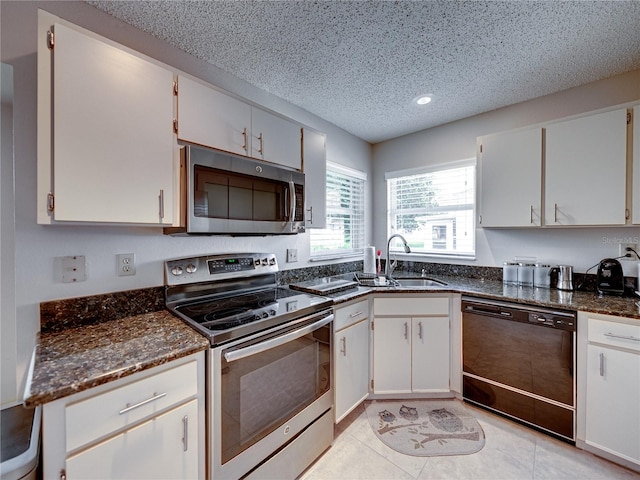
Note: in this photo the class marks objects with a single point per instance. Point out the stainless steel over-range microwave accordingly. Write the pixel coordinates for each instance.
(226, 194)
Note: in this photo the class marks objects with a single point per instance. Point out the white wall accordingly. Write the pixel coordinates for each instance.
(38, 248)
(581, 247)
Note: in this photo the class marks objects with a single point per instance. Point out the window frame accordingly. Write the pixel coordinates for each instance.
(392, 175)
(334, 254)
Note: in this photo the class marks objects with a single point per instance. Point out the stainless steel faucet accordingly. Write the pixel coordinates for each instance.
(388, 267)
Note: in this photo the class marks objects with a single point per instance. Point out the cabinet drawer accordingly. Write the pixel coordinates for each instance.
(411, 306)
(616, 334)
(98, 416)
(350, 314)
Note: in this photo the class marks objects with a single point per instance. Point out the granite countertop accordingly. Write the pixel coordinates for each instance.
(496, 290)
(82, 357)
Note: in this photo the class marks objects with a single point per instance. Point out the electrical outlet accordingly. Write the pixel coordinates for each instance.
(623, 251)
(292, 255)
(126, 264)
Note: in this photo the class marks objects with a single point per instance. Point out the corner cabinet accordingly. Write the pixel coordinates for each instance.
(351, 357)
(609, 387)
(314, 162)
(585, 170)
(106, 148)
(411, 345)
(510, 179)
(208, 116)
(148, 425)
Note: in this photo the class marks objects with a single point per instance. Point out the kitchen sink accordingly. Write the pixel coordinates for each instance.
(418, 282)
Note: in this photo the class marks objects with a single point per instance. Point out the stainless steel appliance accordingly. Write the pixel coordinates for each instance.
(228, 194)
(610, 279)
(269, 378)
(520, 361)
(565, 277)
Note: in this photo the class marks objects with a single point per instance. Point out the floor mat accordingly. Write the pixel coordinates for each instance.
(425, 428)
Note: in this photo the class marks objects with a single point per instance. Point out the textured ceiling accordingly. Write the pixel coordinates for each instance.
(360, 64)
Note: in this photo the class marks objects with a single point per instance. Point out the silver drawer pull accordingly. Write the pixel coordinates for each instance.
(356, 314)
(602, 364)
(130, 407)
(185, 432)
(623, 337)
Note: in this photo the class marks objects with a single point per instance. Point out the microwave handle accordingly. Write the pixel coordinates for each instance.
(292, 201)
(233, 355)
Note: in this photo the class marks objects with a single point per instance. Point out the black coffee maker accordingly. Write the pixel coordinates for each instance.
(610, 279)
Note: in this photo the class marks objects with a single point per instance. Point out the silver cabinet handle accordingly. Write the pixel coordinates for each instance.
(602, 364)
(623, 337)
(531, 214)
(420, 330)
(185, 432)
(161, 200)
(406, 331)
(130, 407)
(354, 315)
(244, 142)
(343, 350)
(555, 213)
(310, 210)
(261, 149)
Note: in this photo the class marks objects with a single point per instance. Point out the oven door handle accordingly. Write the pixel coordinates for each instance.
(233, 355)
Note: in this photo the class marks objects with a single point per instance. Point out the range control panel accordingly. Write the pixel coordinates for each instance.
(218, 267)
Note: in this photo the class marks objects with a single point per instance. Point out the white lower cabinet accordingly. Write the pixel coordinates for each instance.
(147, 425)
(157, 449)
(610, 394)
(411, 345)
(351, 357)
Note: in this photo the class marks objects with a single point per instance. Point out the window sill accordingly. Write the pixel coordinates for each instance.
(335, 256)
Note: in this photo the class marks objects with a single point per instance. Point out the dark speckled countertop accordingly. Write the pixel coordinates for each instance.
(81, 357)
(496, 290)
(90, 341)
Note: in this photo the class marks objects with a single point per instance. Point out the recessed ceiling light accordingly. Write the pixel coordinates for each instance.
(423, 99)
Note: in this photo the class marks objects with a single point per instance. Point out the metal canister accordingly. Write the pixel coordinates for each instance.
(542, 275)
(525, 274)
(510, 273)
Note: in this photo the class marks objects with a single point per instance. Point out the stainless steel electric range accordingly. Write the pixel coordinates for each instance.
(269, 375)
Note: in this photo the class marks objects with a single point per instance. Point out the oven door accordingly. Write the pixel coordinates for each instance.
(267, 389)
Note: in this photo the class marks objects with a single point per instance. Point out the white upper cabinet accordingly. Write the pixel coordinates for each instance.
(106, 144)
(209, 117)
(275, 139)
(510, 179)
(585, 170)
(315, 169)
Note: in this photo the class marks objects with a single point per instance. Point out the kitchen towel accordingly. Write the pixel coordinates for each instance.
(370, 260)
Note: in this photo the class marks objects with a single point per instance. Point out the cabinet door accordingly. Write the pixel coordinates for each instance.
(113, 141)
(510, 179)
(315, 169)
(165, 447)
(275, 139)
(209, 117)
(585, 170)
(392, 355)
(351, 353)
(430, 354)
(612, 401)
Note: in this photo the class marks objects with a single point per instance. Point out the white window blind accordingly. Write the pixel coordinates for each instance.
(434, 209)
(344, 234)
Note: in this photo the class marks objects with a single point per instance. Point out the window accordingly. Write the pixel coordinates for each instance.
(344, 234)
(433, 208)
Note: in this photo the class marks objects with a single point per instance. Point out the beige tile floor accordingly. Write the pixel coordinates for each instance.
(511, 451)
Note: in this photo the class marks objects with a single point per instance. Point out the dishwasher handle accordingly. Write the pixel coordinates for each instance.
(493, 311)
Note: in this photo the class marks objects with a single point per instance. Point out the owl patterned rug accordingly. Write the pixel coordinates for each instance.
(425, 428)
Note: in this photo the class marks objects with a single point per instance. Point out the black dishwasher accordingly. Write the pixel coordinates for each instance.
(519, 360)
